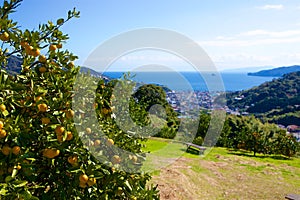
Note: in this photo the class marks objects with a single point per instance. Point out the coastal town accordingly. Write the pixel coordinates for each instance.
(185, 102)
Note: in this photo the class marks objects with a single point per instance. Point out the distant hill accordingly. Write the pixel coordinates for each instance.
(276, 101)
(15, 63)
(276, 72)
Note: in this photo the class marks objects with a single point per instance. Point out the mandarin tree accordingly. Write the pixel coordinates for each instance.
(42, 153)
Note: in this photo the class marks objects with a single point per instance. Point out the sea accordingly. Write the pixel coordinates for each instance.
(195, 81)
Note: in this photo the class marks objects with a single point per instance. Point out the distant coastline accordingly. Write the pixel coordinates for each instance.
(181, 81)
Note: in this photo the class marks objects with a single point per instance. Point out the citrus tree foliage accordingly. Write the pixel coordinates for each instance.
(44, 154)
(249, 133)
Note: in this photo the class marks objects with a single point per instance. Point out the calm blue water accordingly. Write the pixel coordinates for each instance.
(195, 81)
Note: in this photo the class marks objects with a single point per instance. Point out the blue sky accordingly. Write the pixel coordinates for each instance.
(234, 33)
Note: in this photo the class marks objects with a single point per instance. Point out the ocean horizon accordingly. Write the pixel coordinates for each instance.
(188, 81)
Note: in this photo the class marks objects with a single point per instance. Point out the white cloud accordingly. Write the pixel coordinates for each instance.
(254, 38)
(272, 7)
(259, 32)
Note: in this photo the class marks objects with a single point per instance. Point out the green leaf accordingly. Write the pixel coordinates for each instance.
(19, 183)
(60, 21)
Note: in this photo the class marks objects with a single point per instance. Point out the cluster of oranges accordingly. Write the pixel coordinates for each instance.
(2, 131)
(59, 131)
(30, 50)
(6, 150)
(85, 181)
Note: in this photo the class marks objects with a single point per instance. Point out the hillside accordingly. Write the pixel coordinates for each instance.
(276, 101)
(14, 67)
(276, 72)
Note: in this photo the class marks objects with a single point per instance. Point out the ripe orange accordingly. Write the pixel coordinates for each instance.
(110, 142)
(70, 114)
(45, 120)
(28, 50)
(82, 185)
(52, 47)
(60, 138)
(38, 98)
(1, 124)
(35, 52)
(59, 45)
(16, 150)
(42, 107)
(18, 167)
(42, 59)
(23, 44)
(2, 107)
(6, 150)
(3, 133)
(42, 69)
(91, 181)
(72, 160)
(69, 136)
(59, 130)
(83, 178)
(4, 36)
(134, 159)
(116, 159)
(88, 130)
(51, 153)
(97, 142)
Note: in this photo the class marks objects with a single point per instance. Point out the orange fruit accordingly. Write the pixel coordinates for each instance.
(35, 52)
(1, 124)
(3, 133)
(88, 130)
(42, 107)
(38, 98)
(52, 47)
(51, 153)
(91, 181)
(42, 69)
(116, 159)
(45, 120)
(72, 160)
(110, 142)
(28, 49)
(60, 138)
(4, 36)
(42, 59)
(59, 130)
(16, 150)
(23, 44)
(2, 107)
(97, 142)
(134, 159)
(18, 167)
(83, 178)
(82, 185)
(6, 150)
(70, 114)
(69, 136)
(59, 45)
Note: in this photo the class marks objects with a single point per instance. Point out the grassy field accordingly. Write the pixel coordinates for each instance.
(219, 173)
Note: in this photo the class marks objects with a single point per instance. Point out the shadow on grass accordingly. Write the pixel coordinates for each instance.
(250, 154)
